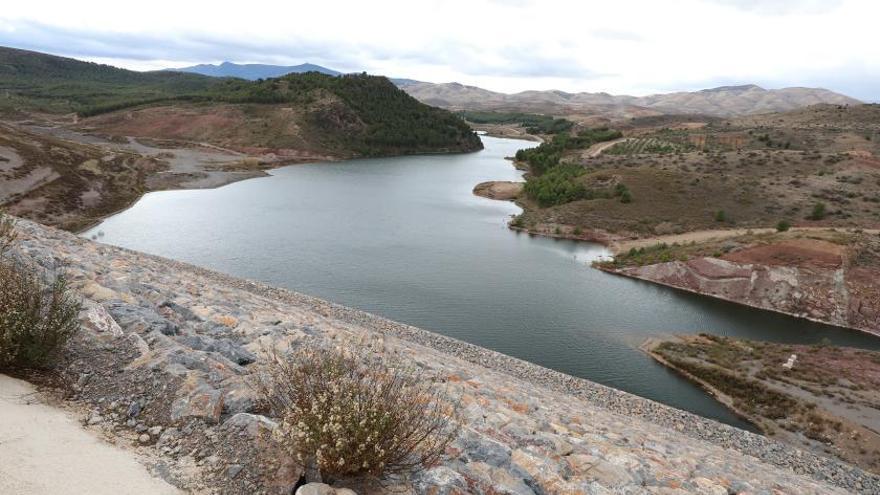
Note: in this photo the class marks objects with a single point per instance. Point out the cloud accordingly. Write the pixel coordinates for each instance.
(631, 46)
(783, 7)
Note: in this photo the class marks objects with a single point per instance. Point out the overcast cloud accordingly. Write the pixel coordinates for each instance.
(633, 47)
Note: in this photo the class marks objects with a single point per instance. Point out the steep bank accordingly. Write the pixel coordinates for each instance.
(180, 341)
(827, 276)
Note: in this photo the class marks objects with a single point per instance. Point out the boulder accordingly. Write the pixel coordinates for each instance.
(95, 318)
(138, 319)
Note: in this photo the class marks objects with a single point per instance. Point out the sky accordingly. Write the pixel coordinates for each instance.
(633, 47)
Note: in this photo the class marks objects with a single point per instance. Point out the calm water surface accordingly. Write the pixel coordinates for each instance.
(405, 238)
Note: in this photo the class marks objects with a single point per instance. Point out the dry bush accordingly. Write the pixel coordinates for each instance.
(38, 315)
(7, 232)
(356, 417)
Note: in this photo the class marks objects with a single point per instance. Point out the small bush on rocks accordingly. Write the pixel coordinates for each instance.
(38, 315)
(783, 226)
(7, 232)
(356, 417)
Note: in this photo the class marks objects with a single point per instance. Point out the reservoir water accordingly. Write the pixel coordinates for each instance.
(405, 238)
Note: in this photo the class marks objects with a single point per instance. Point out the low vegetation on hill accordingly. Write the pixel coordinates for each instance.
(778, 169)
(531, 122)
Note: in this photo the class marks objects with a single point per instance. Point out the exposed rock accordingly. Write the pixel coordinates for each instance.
(322, 489)
(140, 319)
(199, 400)
(95, 318)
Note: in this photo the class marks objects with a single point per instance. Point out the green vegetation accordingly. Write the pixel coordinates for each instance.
(356, 416)
(636, 146)
(819, 212)
(36, 81)
(534, 123)
(557, 186)
(658, 253)
(720, 216)
(38, 311)
(547, 154)
(553, 183)
(783, 226)
(622, 192)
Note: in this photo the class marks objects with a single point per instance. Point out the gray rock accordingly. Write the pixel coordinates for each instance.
(185, 313)
(316, 489)
(477, 447)
(440, 480)
(134, 409)
(223, 346)
(204, 402)
(233, 470)
(144, 438)
(139, 319)
(95, 318)
(251, 425)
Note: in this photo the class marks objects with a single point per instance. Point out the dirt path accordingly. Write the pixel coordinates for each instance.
(708, 235)
(44, 450)
(597, 149)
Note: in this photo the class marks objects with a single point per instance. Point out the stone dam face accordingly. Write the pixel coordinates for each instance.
(167, 349)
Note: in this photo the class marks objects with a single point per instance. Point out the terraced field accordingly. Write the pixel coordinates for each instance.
(638, 146)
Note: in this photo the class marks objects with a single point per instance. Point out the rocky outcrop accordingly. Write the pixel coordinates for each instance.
(836, 294)
(173, 379)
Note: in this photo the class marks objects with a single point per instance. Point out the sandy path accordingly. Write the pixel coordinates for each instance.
(709, 235)
(44, 450)
(597, 149)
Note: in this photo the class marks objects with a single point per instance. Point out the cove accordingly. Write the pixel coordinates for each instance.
(404, 238)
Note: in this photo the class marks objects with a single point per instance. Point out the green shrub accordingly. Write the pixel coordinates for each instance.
(783, 226)
(720, 216)
(626, 197)
(37, 317)
(356, 416)
(557, 186)
(818, 212)
(518, 222)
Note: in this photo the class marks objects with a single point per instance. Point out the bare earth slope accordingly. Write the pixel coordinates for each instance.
(181, 341)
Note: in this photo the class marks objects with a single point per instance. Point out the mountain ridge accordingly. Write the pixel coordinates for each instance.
(722, 101)
(253, 71)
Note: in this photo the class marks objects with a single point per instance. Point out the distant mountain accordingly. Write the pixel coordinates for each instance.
(724, 101)
(253, 71)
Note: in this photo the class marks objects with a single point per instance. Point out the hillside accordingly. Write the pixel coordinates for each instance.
(351, 115)
(724, 101)
(83, 140)
(253, 71)
(697, 205)
(37, 82)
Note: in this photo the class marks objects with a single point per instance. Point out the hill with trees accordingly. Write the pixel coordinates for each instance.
(350, 115)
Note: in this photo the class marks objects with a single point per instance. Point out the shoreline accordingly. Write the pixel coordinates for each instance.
(611, 399)
(233, 176)
(617, 244)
